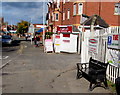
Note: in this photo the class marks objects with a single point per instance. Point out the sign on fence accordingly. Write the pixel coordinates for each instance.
(64, 29)
(93, 45)
(114, 41)
(57, 44)
(114, 57)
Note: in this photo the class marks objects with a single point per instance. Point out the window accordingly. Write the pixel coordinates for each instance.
(74, 9)
(49, 15)
(58, 3)
(52, 5)
(80, 8)
(52, 16)
(63, 1)
(56, 17)
(117, 8)
(68, 14)
(63, 15)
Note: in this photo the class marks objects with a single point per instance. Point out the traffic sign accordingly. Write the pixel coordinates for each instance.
(109, 40)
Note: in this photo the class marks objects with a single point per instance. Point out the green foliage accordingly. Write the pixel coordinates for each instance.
(23, 27)
(112, 86)
(48, 35)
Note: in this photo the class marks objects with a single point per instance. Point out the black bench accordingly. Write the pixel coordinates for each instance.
(94, 72)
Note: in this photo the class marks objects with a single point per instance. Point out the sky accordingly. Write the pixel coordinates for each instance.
(14, 11)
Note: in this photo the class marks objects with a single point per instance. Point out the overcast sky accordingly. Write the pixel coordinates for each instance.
(17, 10)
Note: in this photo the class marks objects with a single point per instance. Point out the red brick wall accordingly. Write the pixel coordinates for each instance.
(73, 19)
(107, 13)
(91, 8)
(104, 9)
(59, 20)
(55, 23)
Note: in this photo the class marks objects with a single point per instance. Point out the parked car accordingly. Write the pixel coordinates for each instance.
(30, 37)
(6, 39)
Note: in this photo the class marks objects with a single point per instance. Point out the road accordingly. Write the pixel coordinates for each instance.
(7, 54)
(33, 71)
(10, 52)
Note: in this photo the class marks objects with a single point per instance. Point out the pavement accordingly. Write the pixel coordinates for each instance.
(34, 71)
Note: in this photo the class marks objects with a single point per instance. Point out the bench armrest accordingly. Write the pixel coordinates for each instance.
(80, 66)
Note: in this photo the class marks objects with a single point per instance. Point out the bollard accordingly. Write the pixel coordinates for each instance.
(117, 83)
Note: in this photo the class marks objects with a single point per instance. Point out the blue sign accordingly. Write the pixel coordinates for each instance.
(109, 40)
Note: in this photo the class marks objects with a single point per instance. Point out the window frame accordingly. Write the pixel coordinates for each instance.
(80, 8)
(63, 15)
(117, 9)
(49, 15)
(64, 1)
(56, 17)
(68, 14)
(53, 17)
(74, 9)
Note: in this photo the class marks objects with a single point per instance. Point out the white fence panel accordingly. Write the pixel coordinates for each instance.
(84, 48)
(113, 71)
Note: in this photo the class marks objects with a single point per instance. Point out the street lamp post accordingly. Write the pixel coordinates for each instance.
(43, 23)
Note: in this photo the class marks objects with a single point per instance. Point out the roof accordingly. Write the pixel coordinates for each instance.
(99, 21)
(75, 29)
(84, 15)
(40, 30)
(39, 25)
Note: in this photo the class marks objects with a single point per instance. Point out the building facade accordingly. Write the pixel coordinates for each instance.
(66, 12)
(1, 23)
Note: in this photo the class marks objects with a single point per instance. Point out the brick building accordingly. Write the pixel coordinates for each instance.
(67, 12)
(1, 22)
(3, 25)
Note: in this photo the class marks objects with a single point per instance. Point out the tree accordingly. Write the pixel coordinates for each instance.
(48, 35)
(23, 27)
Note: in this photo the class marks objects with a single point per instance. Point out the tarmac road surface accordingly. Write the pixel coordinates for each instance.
(34, 71)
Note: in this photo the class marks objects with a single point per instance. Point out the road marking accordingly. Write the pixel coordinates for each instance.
(3, 57)
(3, 65)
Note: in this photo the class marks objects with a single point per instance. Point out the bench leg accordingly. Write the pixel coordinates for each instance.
(105, 83)
(98, 84)
(94, 86)
(79, 75)
(90, 87)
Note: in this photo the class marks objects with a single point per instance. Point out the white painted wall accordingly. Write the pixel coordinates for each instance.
(71, 46)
